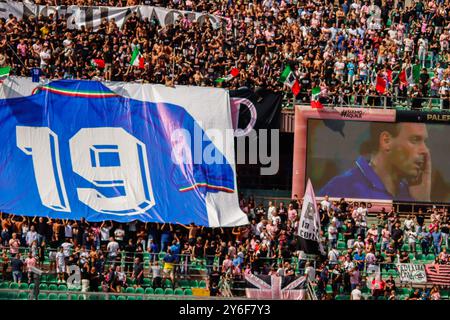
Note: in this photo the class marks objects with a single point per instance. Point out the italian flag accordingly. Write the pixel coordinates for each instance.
(315, 103)
(4, 72)
(98, 63)
(137, 60)
(233, 73)
(289, 79)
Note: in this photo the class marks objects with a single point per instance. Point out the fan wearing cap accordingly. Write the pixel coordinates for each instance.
(395, 163)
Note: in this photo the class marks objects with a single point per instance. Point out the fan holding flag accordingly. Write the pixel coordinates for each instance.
(289, 79)
(234, 72)
(137, 59)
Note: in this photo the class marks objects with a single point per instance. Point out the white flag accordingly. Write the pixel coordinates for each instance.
(309, 226)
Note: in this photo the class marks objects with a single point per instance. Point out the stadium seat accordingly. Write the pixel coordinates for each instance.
(63, 296)
(159, 291)
(167, 284)
(430, 257)
(202, 284)
(183, 283)
(149, 291)
(23, 286)
(329, 289)
(43, 286)
(73, 297)
(147, 282)
(178, 292)
(445, 294)
(112, 297)
(411, 256)
(139, 290)
(130, 290)
(341, 245)
(53, 296)
(4, 285)
(193, 284)
(23, 296)
(53, 287)
(31, 286)
(131, 298)
(42, 296)
(62, 288)
(161, 255)
(168, 291)
(188, 292)
(121, 298)
(14, 286)
(139, 298)
(405, 291)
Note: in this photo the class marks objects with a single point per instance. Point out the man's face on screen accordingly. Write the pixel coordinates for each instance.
(409, 151)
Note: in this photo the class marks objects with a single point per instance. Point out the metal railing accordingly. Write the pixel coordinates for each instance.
(378, 102)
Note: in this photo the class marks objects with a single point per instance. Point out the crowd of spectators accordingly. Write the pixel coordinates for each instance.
(108, 253)
(340, 46)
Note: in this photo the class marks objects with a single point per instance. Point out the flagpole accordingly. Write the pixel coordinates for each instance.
(7, 42)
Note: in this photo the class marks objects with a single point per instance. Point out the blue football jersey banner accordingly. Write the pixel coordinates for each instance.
(77, 149)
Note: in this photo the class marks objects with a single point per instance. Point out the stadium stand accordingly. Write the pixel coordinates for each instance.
(328, 44)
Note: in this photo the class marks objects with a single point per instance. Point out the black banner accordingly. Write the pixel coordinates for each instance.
(260, 109)
(423, 116)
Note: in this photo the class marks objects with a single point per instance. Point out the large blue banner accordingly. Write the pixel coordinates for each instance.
(77, 149)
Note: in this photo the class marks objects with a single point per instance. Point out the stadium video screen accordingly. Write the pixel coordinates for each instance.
(378, 160)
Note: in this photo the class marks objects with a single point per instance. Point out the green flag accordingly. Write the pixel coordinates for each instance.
(4, 72)
(416, 73)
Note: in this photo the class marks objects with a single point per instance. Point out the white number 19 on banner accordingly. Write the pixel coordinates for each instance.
(87, 148)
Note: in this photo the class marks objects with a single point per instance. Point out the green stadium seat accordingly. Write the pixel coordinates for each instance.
(202, 284)
(420, 257)
(43, 286)
(73, 297)
(378, 246)
(193, 283)
(329, 289)
(14, 286)
(405, 247)
(183, 283)
(139, 290)
(82, 297)
(445, 294)
(121, 298)
(130, 290)
(147, 282)
(62, 288)
(53, 287)
(149, 291)
(139, 298)
(63, 296)
(178, 292)
(168, 291)
(112, 297)
(159, 291)
(161, 255)
(393, 272)
(4, 285)
(23, 286)
(342, 297)
(405, 291)
(42, 296)
(187, 292)
(31, 286)
(131, 298)
(53, 296)
(167, 284)
(341, 245)
(23, 296)
(411, 256)
(430, 257)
